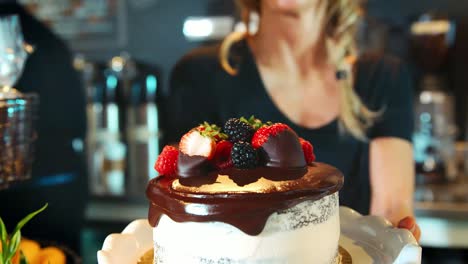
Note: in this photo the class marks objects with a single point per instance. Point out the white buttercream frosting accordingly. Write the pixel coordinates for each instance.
(305, 233)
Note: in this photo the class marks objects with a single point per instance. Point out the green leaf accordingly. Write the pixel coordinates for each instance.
(27, 219)
(4, 240)
(212, 131)
(23, 259)
(3, 231)
(14, 244)
(223, 136)
(254, 122)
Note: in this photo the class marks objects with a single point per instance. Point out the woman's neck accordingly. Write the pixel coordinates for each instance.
(292, 41)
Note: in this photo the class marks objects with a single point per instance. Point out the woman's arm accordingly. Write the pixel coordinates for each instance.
(392, 181)
(392, 178)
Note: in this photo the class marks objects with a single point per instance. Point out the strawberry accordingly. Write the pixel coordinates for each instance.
(222, 157)
(166, 163)
(225, 165)
(308, 150)
(263, 133)
(212, 131)
(195, 144)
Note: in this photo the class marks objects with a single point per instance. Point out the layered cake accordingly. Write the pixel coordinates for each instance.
(249, 192)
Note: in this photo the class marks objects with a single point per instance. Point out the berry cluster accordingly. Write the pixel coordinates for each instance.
(244, 156)
(166, 163)
(238, 130)
(237, 145)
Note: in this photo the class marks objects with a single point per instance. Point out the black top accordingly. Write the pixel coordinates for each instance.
(201, 90)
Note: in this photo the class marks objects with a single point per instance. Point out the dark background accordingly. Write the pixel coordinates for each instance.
(154, 37)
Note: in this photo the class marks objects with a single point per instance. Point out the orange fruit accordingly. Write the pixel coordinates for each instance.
(51, 255)
(30, 249)
(16, 258)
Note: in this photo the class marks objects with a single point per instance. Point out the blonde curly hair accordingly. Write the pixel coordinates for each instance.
(340, 28)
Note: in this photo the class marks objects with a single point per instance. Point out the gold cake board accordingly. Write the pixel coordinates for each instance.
(345, 257)
(147, 258)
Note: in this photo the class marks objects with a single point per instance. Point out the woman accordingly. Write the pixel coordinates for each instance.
(299, 68)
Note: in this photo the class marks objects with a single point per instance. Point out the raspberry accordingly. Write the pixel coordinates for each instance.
(308, 150)
(166, 163)
(222, 157)
(244, 156)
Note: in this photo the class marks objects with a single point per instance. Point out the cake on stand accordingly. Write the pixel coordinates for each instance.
(364, 239)
(273, 204)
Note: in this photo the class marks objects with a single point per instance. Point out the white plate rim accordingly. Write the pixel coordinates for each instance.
(376, 237)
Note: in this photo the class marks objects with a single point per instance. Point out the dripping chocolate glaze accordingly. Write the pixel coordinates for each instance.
(278, 189)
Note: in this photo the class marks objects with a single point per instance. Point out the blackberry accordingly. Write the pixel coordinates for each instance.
(238, 130)
(244, 156)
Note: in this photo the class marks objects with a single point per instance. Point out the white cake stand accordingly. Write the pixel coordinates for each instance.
(367, 239)
(371, 239)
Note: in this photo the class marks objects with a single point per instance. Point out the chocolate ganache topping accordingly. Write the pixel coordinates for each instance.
(239, 176)
(192, 166)
(245, 207)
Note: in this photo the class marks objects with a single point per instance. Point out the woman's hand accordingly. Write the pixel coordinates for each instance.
(392, 182)
(410, 223)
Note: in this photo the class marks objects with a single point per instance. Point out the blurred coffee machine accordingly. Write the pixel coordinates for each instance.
(123, 131)
(142, 133)
(435, 131)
